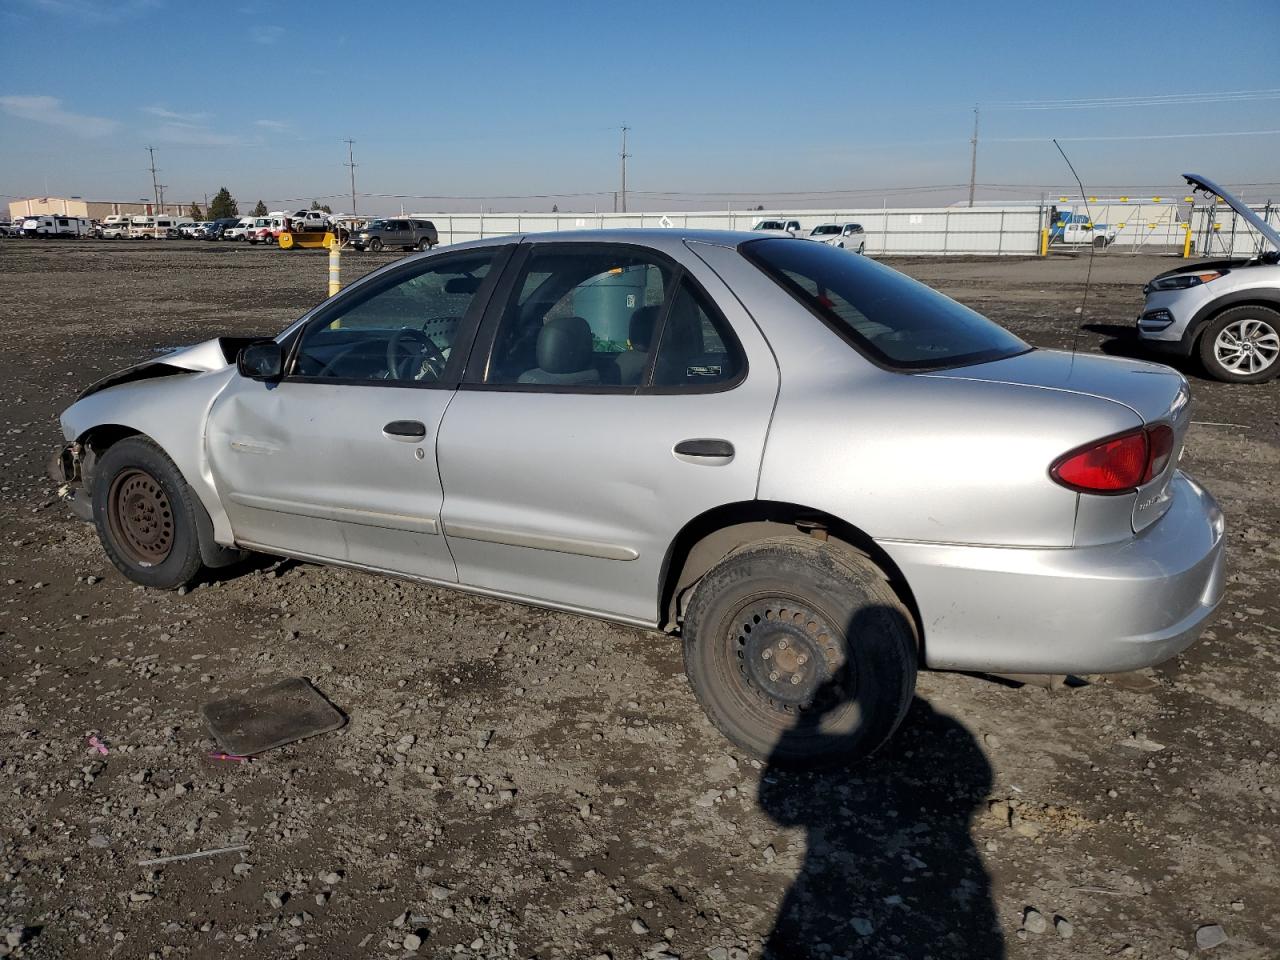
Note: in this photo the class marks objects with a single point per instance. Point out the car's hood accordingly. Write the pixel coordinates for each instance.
(1239, 206)
(203, 357)
(1151, 390)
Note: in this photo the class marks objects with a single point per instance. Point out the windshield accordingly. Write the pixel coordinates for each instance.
(898, 322)
(825, 231)
(376, 225)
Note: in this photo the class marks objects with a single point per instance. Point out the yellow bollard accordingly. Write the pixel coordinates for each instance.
(1044, 243)
(1186, 244)
(335, 267)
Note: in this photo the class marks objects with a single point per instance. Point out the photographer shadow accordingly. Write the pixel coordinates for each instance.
(890, 868)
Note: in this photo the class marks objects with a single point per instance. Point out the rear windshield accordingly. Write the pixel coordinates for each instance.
(898, 322)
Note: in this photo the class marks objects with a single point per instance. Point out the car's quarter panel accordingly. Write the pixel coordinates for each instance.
(1100, 609)
(912, 456)
(573, 498)
(306, 468)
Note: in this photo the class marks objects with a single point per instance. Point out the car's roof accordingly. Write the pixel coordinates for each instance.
(647, 236)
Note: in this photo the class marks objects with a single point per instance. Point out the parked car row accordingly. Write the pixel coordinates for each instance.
(846, 236)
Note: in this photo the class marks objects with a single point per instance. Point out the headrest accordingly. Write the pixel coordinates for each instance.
(564, 345)
(640, 327)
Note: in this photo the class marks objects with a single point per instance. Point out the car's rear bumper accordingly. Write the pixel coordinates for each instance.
(1099, 609)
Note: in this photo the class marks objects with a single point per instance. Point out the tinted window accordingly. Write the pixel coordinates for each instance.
(580, 318)
(894, 319)
(400, 329)
(695, 350)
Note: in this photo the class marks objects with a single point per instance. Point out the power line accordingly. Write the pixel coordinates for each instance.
(1085, 103)
(1141, 136)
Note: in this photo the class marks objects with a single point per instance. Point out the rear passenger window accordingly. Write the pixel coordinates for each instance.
(580, 319)
(695, 349)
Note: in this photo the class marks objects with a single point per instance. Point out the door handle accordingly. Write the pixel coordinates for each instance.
(405, 430)
(704, 450)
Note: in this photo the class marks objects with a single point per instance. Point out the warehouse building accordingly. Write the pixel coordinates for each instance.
(90, 209)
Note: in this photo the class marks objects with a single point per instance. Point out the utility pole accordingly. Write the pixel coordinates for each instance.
(973, 157)
(623, 155)
(155, 189)
(351, 162)
(160, 198)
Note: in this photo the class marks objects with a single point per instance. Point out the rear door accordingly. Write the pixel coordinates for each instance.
(565, 484)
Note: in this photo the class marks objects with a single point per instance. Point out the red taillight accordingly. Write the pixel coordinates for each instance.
(1117, 464)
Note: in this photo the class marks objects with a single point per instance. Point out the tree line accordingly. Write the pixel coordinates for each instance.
(224, 206)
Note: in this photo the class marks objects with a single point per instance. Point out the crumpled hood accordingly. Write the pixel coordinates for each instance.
(203, 357)
(1151, 390)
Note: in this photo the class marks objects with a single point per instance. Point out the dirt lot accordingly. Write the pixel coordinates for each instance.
(517, 783)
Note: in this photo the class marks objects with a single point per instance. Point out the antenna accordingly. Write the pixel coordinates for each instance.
(1088, 277)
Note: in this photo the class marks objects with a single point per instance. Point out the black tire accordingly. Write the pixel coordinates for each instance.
(424, 244)
(375, 245)
(770, 609)
(1263, 323)
(1099, 243)
(862, 249)
(145, 515)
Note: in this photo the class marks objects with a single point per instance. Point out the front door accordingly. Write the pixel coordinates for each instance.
(610, 404)
(337, 461)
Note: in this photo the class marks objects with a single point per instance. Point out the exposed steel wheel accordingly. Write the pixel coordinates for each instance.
(146, 515)
(140, 517)
(800, 652)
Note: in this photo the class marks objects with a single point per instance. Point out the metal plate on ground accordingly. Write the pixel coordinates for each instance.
(270, 717)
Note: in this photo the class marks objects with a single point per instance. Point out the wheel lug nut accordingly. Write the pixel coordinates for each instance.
(774, 676)
(782, 644)
(767, 653)
(802, 659)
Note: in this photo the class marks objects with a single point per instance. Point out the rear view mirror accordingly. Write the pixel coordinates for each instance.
(261, 361)
(462, 284)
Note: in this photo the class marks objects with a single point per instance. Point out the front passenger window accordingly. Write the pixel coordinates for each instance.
(400, 329)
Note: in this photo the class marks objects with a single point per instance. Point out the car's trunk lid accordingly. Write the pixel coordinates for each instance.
(1156, 393)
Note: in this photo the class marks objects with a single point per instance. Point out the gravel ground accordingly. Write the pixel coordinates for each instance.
(517, 783)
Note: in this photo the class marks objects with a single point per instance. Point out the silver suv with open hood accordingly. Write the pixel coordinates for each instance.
(1226, 311)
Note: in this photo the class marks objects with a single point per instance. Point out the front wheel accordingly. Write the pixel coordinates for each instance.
(145, 515)
(1242, 345)
(375, 245)
(800, 652)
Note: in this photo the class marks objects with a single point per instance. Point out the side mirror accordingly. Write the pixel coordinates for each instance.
(261, 361)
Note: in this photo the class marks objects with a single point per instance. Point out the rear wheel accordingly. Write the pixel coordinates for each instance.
(145, 515)
(1242, 345)
(800, 652)
(424, 244)
(1099, 243)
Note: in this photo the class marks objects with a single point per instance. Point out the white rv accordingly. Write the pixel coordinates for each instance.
(55, 225)
(153, 228)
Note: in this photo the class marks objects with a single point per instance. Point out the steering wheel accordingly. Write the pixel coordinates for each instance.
(403, 354)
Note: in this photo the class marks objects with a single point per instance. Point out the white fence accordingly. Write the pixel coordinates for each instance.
(977, 231)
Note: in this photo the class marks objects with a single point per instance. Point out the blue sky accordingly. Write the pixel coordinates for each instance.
(520, 102)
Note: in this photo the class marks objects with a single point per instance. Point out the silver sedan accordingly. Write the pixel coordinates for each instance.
(819, 472)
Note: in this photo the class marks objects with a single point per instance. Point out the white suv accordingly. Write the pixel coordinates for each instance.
(1225, 311)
